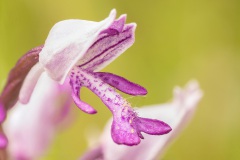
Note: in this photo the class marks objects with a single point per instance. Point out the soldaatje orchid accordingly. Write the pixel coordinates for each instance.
(74, 51)
(71, 57)
(77, 50)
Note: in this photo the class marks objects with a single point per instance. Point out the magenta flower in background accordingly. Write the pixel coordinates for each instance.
(177, 113)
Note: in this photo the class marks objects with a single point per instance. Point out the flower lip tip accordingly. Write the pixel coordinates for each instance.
(168, 130)
(141, 91)
(90, 111)
(93, 112)
(144, 92)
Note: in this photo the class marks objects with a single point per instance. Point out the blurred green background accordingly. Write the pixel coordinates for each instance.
(176, 41)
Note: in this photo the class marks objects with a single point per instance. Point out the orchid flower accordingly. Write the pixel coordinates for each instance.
(31, 127)
(77, 50)
(71, 58)
(177, 113)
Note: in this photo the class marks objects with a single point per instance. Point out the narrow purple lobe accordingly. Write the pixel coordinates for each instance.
(121, 83)
(76, 86)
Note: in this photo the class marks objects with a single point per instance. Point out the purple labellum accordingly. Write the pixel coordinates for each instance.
(127, 130)
(121, 83)
(126, 126)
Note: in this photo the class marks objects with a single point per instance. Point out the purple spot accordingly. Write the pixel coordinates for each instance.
(105, 78)
(115, 82)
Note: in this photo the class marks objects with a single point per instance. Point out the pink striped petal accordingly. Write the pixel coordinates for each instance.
(107, 48)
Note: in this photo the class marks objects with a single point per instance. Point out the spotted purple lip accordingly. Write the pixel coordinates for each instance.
(126, 126)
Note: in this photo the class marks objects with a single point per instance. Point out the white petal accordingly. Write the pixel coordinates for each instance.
(67, 42)
(29, 83)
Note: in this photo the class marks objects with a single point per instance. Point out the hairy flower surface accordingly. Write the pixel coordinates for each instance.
(177, 113)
